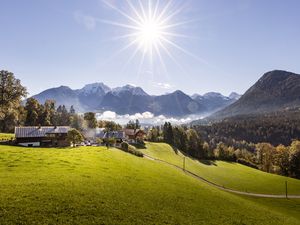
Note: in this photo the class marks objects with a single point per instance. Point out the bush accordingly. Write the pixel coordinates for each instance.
(140, 144)
(247, 163)
(124, 146)
(131, 149)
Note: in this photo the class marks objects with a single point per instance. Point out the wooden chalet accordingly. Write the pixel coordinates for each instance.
(44, 136)
(134, 135)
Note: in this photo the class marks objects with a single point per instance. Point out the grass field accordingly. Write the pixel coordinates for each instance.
(93, 185)
(6, 137)
(230, 175)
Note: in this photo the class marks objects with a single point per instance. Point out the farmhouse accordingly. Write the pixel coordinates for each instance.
(48, 136)
(134, 135)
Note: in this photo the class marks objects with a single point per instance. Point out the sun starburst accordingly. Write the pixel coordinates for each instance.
(150, 27)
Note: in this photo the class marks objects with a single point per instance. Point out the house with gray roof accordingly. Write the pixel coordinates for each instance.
(44, 136)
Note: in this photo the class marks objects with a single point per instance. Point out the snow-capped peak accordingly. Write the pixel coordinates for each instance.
(234, 95)
(95, 88)
(214, 95)
(134, 90)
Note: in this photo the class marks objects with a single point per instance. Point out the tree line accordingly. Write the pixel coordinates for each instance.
(283, 160)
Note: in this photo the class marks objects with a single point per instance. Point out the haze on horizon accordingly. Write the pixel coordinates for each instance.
(223, 46)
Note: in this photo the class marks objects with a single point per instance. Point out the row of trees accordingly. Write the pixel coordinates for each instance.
(187, 140)
(283, 160)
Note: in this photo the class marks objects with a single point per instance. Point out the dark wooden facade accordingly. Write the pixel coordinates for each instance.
(42, 136)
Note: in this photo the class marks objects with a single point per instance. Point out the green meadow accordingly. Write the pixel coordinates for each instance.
(95, 185)
(230, 175)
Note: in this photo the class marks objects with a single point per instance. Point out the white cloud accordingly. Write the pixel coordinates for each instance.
(145, 117)
(87, 21)
(107, 115)
(164, 85)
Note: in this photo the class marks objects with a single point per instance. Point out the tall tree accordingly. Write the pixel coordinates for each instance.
(32, 108)
(72, 110)
(281, 159)
(295, 159)
(11, 94)
(195, 146)
(133, 124)
(91, 120)
(168, 135)
(77, 122)
(74, 136)
(265, 154)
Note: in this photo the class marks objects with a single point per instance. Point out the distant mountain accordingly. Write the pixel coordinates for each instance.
(130, 100)
(129, 88)
(175, 104)
(63, 95)
(92, 95)
(274, 91)
(214, 101)
(234, 95)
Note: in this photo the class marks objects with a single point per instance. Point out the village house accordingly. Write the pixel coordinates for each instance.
(44, 136)
(134, 135)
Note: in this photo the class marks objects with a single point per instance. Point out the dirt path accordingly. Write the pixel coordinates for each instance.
(189, 173)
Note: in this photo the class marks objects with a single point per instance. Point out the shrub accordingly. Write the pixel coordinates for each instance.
(131, 149)
(124, 146)
(140, 144)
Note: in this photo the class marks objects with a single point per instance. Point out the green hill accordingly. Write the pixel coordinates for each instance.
(230, 175)
(93, 185)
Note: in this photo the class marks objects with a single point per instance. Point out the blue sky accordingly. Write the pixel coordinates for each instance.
(229, 44)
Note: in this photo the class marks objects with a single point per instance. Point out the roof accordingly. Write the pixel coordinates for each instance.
(132, 132)
(115, 134)
(25, 132)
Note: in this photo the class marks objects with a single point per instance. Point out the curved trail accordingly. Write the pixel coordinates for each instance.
(189, 173)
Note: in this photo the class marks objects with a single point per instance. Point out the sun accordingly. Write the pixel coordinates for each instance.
(151, 27)
(150, 34)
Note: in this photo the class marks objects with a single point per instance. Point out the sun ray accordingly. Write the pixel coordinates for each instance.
(135, 10)
(172, 58)
(184, 51)
(156, 9)
(130, 58)
(161, 60)
(143, 11)
(130, 44)
(169, 17)
(123, 25)
(164, 10)
(122, 13)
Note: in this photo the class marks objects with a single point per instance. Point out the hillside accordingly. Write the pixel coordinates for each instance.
(275, 90)
(230, 175)
(93, 185)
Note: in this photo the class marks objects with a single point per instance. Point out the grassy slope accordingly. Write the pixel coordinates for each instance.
(231, 175)
(94, 185)
(6, 137)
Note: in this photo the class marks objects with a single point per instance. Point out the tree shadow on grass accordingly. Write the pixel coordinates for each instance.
(207, 162)
(175, 150)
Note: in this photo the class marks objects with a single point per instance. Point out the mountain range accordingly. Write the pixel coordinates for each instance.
(129, 99)
(276, 90)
